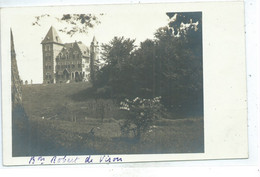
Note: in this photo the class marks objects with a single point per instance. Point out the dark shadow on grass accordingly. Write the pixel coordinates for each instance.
(89, 93)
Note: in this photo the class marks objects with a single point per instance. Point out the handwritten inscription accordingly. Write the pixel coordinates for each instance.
(63, 160)
(40, 160)
(107, 158)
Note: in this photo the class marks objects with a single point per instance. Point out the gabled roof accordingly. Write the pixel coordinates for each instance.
(79, 45)
(52, 37)
(83, 48)
(68, 45)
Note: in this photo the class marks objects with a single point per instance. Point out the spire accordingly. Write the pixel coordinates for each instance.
(12, 43)
(52, 37)
(16, 82)
(94, 41)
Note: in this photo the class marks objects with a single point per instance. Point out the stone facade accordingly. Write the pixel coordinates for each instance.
(66, 62)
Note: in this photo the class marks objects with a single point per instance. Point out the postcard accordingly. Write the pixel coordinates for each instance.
(123, 83)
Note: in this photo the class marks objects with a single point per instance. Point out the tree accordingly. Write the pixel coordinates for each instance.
(115, 76)
(75, 23)
(169, 66)
(180, 50)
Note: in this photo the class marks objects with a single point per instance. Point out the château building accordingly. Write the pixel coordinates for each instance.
(66, 62)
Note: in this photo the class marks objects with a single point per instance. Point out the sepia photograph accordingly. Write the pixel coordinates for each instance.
(122, 80)
(100, 92)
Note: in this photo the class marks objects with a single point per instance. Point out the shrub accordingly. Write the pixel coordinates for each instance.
(141, 113)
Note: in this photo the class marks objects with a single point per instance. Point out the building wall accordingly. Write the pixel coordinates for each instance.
(50, 51)
(74, 63)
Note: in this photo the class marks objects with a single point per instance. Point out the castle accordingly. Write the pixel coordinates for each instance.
(66, 62)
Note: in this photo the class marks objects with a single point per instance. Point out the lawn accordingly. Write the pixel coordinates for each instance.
(59, 125)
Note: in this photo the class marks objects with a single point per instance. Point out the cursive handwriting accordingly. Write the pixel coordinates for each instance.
(40, 160)
(108, 159)
(34, 159)
(64, 159)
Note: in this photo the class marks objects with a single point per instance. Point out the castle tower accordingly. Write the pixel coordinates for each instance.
(51, 46)
(93, 59)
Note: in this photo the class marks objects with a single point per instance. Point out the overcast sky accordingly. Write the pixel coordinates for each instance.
(27, 38)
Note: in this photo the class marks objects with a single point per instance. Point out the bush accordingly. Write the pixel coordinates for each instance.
(141, 113)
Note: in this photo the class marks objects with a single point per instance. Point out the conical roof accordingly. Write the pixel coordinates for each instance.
(94, 40)
(52, 37)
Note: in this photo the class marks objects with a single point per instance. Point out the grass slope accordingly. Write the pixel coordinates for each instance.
(58, 134)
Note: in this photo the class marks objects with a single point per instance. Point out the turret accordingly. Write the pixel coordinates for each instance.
(93, 59)
(51, 46)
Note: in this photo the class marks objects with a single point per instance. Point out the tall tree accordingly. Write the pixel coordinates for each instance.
(116, 74)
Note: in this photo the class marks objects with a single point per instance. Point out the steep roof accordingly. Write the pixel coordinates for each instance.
(94, 41)
(83, 48)
(67, 47)
(52, 36)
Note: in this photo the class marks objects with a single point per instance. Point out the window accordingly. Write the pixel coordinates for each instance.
(47, 48)
(48, 57)
(48, 76)
(79, 65)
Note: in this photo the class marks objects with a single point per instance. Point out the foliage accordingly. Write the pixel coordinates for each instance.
(114, 79)
(169, 66)
(75, 23)
(141, 113)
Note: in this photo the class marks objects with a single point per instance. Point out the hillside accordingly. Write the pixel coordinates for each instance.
(60, 125)
(43, 98)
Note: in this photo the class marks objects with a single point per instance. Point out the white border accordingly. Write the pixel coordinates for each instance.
(253, 46)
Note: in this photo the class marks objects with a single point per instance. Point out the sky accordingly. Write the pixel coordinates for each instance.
(138, 25)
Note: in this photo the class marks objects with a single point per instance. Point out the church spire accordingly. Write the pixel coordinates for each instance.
(15, 81)
(12, 43)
